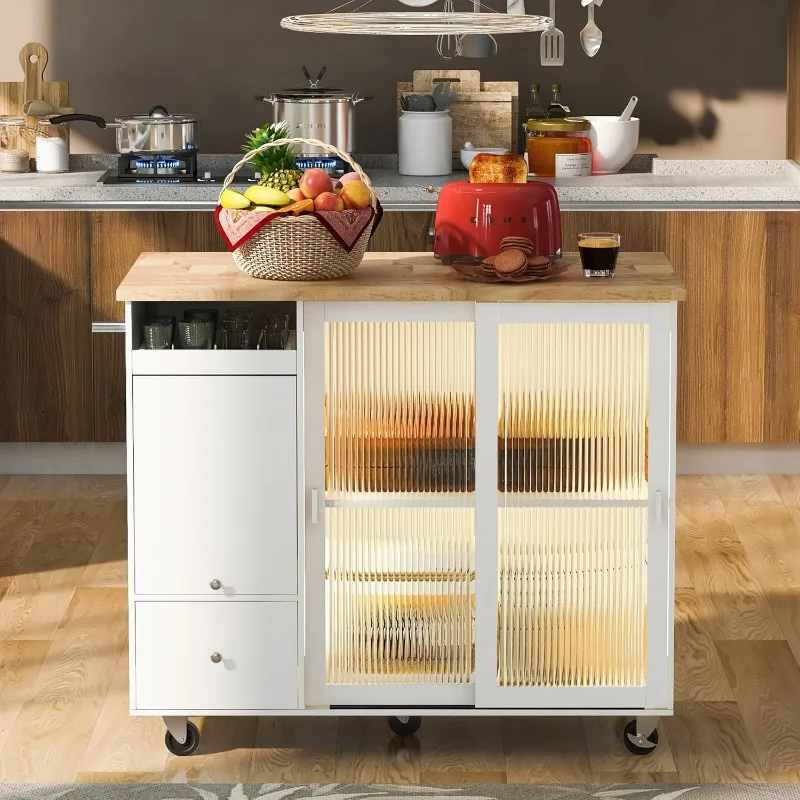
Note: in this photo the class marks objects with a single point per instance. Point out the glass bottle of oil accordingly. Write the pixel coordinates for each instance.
(557, 109)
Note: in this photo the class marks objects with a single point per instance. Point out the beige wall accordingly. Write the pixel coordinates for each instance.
(710, 74)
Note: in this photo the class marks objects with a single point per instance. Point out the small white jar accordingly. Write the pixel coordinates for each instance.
(425, 143)
(52, 154)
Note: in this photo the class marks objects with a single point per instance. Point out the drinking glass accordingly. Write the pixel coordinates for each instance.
(158, 333)
(599, 253)
(274, 334)
(196, 335)
(236, 325)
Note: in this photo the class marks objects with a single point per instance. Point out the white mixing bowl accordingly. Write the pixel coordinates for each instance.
(613, 143)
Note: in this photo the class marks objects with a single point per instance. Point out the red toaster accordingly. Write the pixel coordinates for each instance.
(473, 218)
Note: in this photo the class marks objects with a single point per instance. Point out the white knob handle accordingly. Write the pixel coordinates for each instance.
(216, 658)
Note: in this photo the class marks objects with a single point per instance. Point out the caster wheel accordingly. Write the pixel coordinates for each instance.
(447, 261)
(189, 746)
(405, 726)
(635, 743)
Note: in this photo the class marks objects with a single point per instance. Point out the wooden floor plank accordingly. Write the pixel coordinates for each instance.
(461, 747)
(710, 744)
(731, 598)
(765, 679)
(545, 750)
(121, 743)
(40, 593)
(48, 741)
(788, 489)
(224, 754)
(20, 662)
(698, 671)
(295, 750)
(608, 754)
(108, 566)
(747, 489)
(368, 752)
(25, 504)
(84, 654)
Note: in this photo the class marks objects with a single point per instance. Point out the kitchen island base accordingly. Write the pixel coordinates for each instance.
(450, 498)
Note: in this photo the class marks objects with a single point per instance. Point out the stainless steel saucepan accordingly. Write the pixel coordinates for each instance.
(155, 132)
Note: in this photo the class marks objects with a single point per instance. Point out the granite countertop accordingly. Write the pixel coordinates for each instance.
(670, 184)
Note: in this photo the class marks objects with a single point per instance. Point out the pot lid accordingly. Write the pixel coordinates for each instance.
(157, 115)
(313, 90)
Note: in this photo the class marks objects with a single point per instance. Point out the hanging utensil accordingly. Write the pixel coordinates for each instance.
(448, 46)
(478, 45)
(591, 35)
(552, 44)
(515, 7)
(585, 3)
(628, 112)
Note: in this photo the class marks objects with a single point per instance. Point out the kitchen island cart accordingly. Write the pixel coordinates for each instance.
(446, 498)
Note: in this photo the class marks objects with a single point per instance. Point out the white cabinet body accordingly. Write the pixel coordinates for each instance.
(451, 505)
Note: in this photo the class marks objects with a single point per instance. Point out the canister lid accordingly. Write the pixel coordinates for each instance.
(558, 125)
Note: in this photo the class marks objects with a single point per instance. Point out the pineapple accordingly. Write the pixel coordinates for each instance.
(277, 164)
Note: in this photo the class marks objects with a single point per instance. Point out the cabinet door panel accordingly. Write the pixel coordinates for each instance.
(45, 327)
(215, 487)
(108, 386)
(257, 647)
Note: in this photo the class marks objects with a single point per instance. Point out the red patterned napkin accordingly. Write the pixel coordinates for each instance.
(346, 227)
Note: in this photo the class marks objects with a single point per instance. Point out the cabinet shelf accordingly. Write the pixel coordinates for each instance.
(400, 500)
(214, 362)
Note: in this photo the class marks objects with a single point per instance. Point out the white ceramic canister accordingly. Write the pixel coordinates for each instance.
(52, 154)
(425, 143)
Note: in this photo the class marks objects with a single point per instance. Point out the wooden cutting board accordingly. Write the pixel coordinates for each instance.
(33, 59)
(484, 113)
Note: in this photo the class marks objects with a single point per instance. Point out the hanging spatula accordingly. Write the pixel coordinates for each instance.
(552, 45)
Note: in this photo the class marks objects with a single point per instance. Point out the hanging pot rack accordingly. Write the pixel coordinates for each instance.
(414, 23)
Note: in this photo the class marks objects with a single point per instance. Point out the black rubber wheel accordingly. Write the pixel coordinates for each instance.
(630, 730)
(405, 726)
(189, 746)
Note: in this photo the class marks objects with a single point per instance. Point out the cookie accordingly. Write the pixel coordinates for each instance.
(511, 261)
(519, 243)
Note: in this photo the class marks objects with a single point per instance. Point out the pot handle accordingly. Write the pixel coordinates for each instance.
(356, 100)
(262, 98)
(99, 121)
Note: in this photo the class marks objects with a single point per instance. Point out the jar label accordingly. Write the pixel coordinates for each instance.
(574, 165)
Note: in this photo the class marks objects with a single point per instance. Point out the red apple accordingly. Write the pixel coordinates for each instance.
(328, 201)
(356, 194)
(315, 182)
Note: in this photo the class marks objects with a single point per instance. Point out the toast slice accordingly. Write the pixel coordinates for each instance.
(489, 168)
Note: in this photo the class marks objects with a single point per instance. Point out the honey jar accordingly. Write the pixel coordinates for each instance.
(559, 148)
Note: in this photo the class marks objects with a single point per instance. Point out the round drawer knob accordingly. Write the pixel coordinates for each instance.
(216, 658)
(216, 584)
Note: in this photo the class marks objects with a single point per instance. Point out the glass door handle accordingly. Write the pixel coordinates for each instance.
(314, 506)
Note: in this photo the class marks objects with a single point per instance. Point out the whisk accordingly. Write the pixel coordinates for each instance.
(448, 46)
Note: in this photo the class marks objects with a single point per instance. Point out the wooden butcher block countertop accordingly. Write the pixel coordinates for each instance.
(395, 277)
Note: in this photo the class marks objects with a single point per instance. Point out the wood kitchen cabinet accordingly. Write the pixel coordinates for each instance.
(45, 327)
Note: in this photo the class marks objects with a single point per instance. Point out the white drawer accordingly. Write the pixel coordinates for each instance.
(215, 485)
(176, 656)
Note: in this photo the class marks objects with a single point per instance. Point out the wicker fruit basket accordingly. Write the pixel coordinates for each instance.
(319, 245)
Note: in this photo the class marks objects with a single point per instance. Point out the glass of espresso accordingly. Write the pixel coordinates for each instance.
(599, 252)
